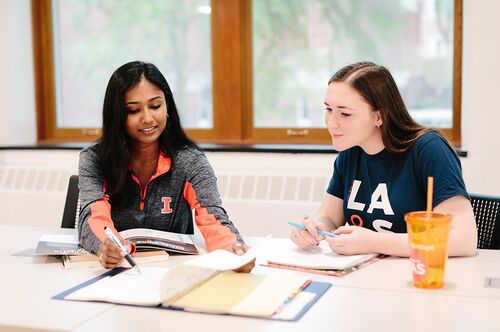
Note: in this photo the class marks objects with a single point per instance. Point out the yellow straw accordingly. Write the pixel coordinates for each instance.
(430, 185)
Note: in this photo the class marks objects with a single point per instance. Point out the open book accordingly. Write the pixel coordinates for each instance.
(319, 258)
(91, 260)
(203, 284)
(143, 238)
(147, 239)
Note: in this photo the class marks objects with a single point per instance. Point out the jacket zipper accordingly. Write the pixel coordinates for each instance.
(142, 193)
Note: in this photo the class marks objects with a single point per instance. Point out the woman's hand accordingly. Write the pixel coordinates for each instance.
(353, 240)
(307, 239)
(240, 249)
(110, 255)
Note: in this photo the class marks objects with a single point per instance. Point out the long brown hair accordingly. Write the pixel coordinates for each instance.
(114, 150)
(377, 86)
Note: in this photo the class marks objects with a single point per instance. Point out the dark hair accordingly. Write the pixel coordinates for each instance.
(114, 148)
(378, 88)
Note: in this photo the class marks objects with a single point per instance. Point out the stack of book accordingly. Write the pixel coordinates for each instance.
(91, 260)
(151, 245)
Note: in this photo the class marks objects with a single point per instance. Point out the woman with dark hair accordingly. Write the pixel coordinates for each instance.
(381, 171)
(145, 172)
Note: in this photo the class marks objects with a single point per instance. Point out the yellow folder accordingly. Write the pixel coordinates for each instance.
(241, 294)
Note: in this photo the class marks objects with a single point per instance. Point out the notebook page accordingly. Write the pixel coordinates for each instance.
(224, 260)
(320, 257)
(128, 287)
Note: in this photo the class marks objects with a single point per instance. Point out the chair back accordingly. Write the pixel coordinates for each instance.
(487, 214)
(72, 206)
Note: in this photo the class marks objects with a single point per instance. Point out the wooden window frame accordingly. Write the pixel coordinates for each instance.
(231, 24)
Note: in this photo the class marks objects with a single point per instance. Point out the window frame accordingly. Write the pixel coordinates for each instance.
(231, 26)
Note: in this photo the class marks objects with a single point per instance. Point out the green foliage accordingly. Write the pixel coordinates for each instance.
(101, 35)
(297, 46)
(290, 54)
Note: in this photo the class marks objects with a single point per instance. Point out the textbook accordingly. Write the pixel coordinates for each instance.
(144, 239)
(320, 258)
(147, 239)
(204, 284)
(59, 244)
(91, 260)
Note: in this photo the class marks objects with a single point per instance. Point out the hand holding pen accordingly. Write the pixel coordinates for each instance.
(112, 251)
(308, 234)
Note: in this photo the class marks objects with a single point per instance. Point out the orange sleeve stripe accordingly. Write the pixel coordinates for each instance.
(217, 236)
(100, 217)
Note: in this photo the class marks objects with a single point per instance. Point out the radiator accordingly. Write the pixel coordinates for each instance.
(259, 195)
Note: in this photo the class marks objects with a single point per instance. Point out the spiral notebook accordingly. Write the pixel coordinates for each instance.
(321, 259)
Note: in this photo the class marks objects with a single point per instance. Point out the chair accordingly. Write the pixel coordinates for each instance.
(72, 206)
(487, 214)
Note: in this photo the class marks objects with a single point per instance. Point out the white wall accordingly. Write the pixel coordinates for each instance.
(480, 119)
(480, 93)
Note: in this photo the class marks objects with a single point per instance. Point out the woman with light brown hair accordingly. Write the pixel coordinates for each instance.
(381, 170)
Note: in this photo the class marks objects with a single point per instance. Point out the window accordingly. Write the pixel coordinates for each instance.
(90, 39)
(244, 71)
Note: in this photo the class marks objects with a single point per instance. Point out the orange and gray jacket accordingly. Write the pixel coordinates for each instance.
(187, 182)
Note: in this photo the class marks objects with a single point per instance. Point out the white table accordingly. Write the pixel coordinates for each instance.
(464, 276)
(28, 283)
(340, 309)
(377, 297)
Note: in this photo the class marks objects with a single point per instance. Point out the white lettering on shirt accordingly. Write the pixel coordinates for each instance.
(384, 203)
(351, 203)
(379, 223)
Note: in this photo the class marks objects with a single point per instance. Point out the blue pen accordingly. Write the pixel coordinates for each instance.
(320, 231)
(117, 241)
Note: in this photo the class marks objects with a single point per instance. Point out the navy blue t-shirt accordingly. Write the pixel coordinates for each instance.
(379, 189)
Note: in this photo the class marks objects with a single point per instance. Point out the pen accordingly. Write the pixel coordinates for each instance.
(320, 231)
(117, 241)
(292, 296)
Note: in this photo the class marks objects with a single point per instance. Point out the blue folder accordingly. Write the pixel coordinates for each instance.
(316, 287)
